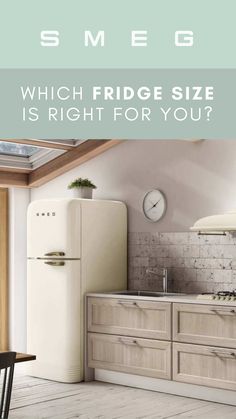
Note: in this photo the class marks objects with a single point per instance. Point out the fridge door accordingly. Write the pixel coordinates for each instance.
(54, 228)
(54, 319)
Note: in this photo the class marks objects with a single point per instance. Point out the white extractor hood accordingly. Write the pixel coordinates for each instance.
(216, 223)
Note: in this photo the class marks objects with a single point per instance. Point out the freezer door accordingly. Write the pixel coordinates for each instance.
(55, 319)
(54, 228)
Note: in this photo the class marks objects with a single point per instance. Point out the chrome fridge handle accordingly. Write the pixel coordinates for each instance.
(55, 263)
(55, 254)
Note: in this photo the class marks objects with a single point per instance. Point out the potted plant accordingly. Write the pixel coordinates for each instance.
(82, 188)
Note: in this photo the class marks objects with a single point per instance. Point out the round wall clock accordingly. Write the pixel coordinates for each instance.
(154, 205)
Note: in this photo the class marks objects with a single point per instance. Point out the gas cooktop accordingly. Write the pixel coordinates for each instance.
(219, 296)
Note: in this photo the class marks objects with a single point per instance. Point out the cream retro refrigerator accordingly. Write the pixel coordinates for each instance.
(74, 246)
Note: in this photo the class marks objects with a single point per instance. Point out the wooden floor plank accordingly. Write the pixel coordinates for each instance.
(41, 399)
(212, 411)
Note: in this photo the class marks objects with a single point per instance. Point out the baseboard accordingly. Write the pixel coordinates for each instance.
(166, 386)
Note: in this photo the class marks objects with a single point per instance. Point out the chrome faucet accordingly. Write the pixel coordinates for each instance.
(163, 275)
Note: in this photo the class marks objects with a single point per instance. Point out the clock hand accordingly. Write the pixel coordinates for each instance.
(154, 205)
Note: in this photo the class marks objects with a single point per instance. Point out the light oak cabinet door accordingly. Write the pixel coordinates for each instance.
(146, 319)
(204, 365)
(204, 324)
(150, 358)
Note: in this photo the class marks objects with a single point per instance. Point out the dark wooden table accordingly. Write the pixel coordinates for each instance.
(23, 357)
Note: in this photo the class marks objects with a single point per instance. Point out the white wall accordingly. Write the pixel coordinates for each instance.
(198, 178)
(18, 202)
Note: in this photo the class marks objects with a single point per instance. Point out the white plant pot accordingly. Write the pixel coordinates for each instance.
(85, 193)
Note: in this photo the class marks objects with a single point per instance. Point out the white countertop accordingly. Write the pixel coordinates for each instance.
(187, 298)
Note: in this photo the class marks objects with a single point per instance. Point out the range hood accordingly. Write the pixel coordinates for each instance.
(216, 224)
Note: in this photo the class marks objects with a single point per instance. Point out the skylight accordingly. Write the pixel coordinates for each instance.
(27, 155)
(12, 149)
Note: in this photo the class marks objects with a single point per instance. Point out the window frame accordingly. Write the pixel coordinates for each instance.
(39, 158)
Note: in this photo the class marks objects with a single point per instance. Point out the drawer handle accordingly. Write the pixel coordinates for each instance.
(132, 304)
(132, 342)
(223, 310)
(220, 353)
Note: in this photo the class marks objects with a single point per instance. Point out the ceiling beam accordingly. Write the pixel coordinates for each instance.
(45, 144)
(67, 161)
(8, 179)
(14, 169)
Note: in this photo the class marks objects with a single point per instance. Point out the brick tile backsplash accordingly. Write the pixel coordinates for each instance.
(195, 263)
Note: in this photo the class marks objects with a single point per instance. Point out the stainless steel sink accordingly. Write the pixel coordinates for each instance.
(147, 293)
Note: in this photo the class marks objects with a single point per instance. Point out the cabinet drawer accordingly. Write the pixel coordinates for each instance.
(146, 357)
(146, 319)
(204, 365)
(204, 324)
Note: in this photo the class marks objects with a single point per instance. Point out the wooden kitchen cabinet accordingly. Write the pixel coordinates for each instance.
(204, 324)
(147, 319)
(150, 358)
(204, 365)
(184, 342)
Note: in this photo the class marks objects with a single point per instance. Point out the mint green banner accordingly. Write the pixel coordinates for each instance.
(121, 104)
(131, 34)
